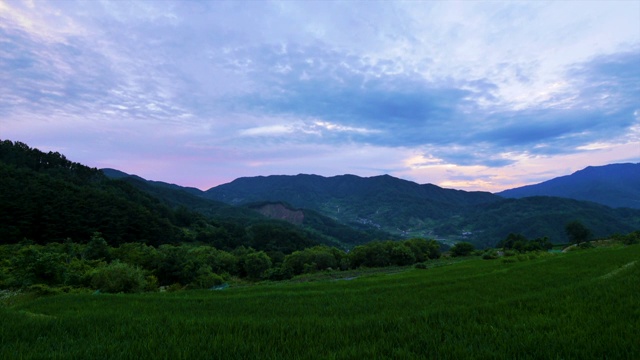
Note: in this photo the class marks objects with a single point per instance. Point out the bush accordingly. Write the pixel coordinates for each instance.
(206, 279)
(43, 290)
(174, 287)
(585, 245)
(462, 249)
(151, 283)
(422, 266)
(118, 277)
(490, 255)
(78, 272)
(256, 264)
(279, 273)
(632, 238)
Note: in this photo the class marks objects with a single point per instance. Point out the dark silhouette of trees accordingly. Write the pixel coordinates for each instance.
(577, 232)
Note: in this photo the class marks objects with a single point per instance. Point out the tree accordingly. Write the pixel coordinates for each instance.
(402, 255)
(118, 277)
(255, 264)
(462, 249)
(97, 248)
(577, 232)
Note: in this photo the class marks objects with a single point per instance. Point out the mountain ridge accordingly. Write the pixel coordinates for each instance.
(406, 209)
(614, 185)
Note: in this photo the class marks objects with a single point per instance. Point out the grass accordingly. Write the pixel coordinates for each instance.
(578, 305)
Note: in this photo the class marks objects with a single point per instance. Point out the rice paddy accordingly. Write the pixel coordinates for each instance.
(578, 305)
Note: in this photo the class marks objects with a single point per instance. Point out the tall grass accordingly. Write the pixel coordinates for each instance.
(580, 305)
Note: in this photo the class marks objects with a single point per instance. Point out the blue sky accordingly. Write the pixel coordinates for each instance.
(469, 95)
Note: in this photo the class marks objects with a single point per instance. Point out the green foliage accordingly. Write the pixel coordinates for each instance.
(577, 232)
(520, 243)
(629, 239)
(279, 273)
(490, 255)
(313, 259)
(256, 265)
(537, 217)
(206, 279)
(78, 272)
(43, 290)
(390, 253)
(389, 204)
(462, 249)
(47, 198)
(35, 264)
(118, 277)
(151, 283)
(469, 309)
(274, 237)
(97, 248)
(401, 255)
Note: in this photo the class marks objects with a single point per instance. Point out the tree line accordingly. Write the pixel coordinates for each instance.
(134, 267)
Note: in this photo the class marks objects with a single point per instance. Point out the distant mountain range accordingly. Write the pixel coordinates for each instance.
(45, 197)
(615, 185)
(405, 209)
(408, 209)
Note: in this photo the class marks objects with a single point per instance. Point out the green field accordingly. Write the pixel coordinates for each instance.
(579, 305)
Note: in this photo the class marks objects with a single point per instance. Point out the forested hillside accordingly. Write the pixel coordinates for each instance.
(46, 198)
(615, 185)
(408, 209)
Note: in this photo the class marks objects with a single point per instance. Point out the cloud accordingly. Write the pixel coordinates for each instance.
(451, 85)
(448, 117)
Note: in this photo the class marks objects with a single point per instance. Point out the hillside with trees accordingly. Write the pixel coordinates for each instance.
(47, 198)
(407, 209)
(614, 185)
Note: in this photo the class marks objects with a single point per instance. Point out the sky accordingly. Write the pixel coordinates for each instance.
(468, 95)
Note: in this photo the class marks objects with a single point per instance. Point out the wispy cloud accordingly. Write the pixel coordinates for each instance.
(447, 89)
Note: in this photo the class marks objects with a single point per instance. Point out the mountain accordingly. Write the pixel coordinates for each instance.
(615, 185)
(45, 198)
(176, 196)
(117, 174)
(312, 224)
(408, 209)
(394, 205)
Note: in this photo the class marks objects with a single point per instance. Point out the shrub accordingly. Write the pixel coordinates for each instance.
(78, 272)
(490, 255)
(151, 283)
(509, 253)
(118, 277)
(42, 290)
(256, 264)
(174, 287)
(585, 245)
(402, 255)
(206, 279)
(279, 273)
(462, 249)
(632, 238)
(422, 266)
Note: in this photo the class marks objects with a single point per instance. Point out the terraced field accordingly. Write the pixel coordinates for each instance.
(578, 305)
